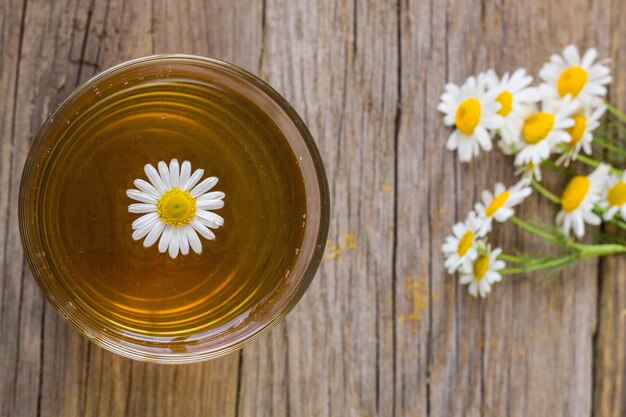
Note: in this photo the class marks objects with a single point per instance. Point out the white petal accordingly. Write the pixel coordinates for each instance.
(570, 53)
(142, 208)
(164, 243)
(483, 138)
(473, 289)
(185, 172)
(193, 180)
(145, 219)
(579, 226)
(209, 218)
(154, 234)
(155, 178)
(194, 240)
(210, 204)
(147, 188)
(141, 232)
(183, 242)
(202, 229)
(589, 57)
(165, 174)
(174, 172)
(173, 248)
(453, 140)
(203, 187)
(214, 195)
(140, 196)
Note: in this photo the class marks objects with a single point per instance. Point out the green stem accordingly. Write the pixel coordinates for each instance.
(581, 251)
(610, 147)
(587, 160)
(592, 251)
(516, 259)
(545, 192)
(552, 263)
(616, 112)
(532, 229)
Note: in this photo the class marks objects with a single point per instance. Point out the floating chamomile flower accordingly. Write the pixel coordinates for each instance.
(472, 111)
(583, 78)
(483, 272)
(543, 130)
(177, 208)
(516, 100)
(500, 205)
(586, 120)
(578, 200)
(460, 248)
(614, 197)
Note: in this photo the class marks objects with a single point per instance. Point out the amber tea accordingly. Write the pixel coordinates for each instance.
(93, 241)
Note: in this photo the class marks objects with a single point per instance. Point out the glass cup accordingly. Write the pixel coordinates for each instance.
(213, 342)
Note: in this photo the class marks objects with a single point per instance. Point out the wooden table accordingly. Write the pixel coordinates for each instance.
(382, 331)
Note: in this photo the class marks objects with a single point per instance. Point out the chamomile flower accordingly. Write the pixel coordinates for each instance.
(516, 100)
(460, 248)
(483, 272)
(614, 197)
(529, 171)
(586, 120)
(582, 78)
(578, 200)
(543, 130)
(176, 208)
(499, 205)
(472, 111)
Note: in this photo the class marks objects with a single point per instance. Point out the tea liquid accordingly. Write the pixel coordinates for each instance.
(102, 148)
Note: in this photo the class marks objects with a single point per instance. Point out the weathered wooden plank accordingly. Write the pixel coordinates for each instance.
(11, 32)
(610, 342)
(337, 62)
(424, 189)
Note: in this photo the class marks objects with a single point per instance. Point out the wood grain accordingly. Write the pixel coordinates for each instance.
(383, 331)
(610, 341)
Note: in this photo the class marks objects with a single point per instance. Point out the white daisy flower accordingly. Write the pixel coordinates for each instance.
(614, 197)
(578, 200)
(586, 120)
(460, 248)
(176, 207)
(499, 205)
(472, 111)
(583, 78)
(483, 272)
(516, 99)
(543, 130)
(529, 171)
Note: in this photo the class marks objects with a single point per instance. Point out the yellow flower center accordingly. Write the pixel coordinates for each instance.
(465, 243)
(467, 115)
(571, 81)
(537, 126)
(497, 203)
(176, 207)
(617, 194)
(575, 192)
(506, 100)
(576, 131)
(481, 265)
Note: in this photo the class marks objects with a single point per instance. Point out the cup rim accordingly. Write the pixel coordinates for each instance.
(292, 298)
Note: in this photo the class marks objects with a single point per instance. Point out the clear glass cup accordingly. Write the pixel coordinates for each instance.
(215, 343)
